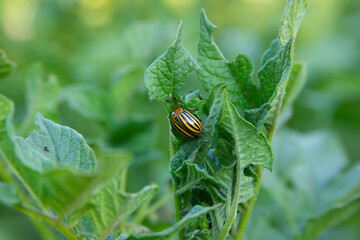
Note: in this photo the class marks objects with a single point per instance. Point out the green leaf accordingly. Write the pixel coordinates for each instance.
(62, 190)
(294, 13)
(8, 153)
(268, 231)
(193, 101)
(89, 101)
(344, 189)
(42, 95)
(213, 64)
(275, 71)
(242, 70)
(55, 146)
(243, 93)
(65, 191)
(315, 226)
(257, 117)
(224, 187)
(30, 179)
(194, 176)
(271, 51)
(215, 68)
(295, 83)
(251, 146)
(224, 152)
(292, 201)
(8, 194)
(6, 66)
(219, 184)
(109, 206)
(165, 76)
(192, 215)
(213, 109)
(273, 75)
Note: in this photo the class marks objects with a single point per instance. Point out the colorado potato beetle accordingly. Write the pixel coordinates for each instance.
(186, 123)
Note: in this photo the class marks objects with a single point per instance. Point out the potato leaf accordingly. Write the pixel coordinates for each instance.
(215, 68)
(165, 76)
(243, 93)
(192, 215)
(109, 206)
(251, 147)
(66, 190)
(315, 226)
(303, 208)
(275, 71)
(292, 18)
(55, 146)
(294, 13)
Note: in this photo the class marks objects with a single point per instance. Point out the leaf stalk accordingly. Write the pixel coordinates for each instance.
(26, 185)
(64, 230)
(248, 210)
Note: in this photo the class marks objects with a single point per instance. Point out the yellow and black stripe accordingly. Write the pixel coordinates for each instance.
(186, 123)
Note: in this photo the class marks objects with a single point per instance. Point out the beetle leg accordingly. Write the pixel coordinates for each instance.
(193, 110)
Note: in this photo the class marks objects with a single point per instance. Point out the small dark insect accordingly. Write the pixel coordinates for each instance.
(45, 149)
(186, 123)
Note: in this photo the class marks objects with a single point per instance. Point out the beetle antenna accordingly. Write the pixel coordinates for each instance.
(177, 101)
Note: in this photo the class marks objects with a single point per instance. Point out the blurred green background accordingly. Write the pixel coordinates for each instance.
(105, 45)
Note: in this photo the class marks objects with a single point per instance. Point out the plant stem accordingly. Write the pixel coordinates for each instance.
(277, 113)
(177, 210)
(247, 213)
(174, 187)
